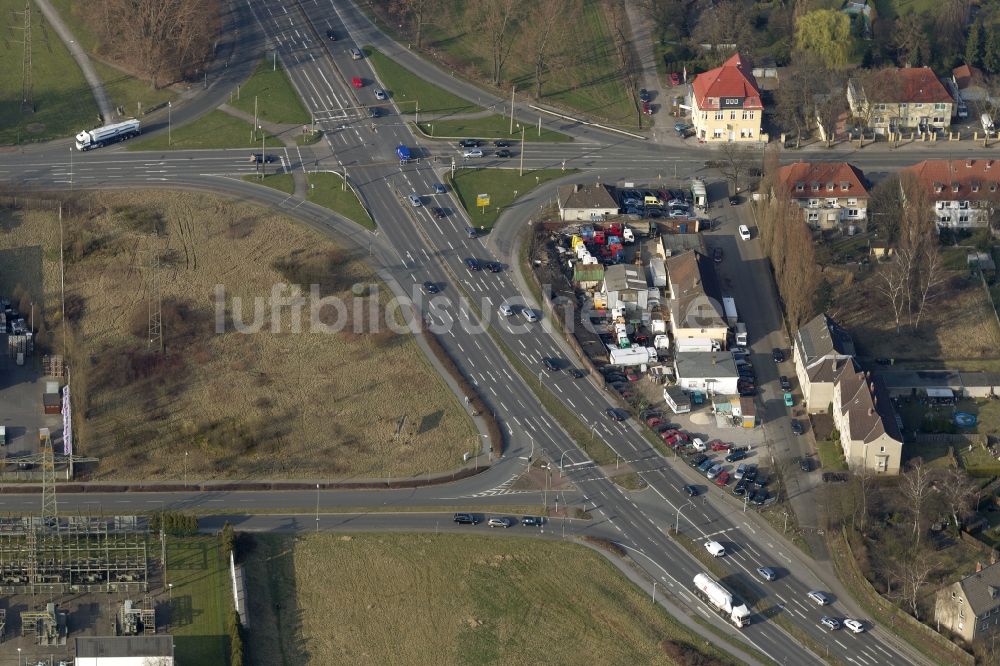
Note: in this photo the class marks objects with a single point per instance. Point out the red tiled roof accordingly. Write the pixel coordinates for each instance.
(963, 75)
(945, 175)
(733, 79)
(919, 85)
(823, 173)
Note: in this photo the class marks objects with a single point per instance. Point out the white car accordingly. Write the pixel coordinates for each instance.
(379, 93)
(529, 314)
(715, 548)
(506, 310)
(744, 232)
(415, 200)
(856, 626)
(819, 598)
(698, 444)
(473, 152)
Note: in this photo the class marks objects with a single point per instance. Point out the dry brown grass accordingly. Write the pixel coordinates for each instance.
(275, 405)
(447, 599)
(958, 324)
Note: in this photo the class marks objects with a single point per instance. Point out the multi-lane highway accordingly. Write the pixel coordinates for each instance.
(412, 247)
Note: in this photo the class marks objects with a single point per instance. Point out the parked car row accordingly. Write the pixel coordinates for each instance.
(464, 518)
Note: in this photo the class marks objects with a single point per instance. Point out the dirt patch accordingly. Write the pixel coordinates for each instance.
(958, 324)
(217, 402)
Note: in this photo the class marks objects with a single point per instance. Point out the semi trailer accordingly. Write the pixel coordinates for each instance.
(102, 136)
(722, 600)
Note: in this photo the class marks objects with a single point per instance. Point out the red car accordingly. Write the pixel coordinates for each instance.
(716, 445)
(675, 79)
(653, 421)
(631, 375)
(357, 83)
(722, 479)
(667, 434)
(647, 109)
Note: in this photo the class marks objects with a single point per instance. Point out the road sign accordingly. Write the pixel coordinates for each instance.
(483, 200)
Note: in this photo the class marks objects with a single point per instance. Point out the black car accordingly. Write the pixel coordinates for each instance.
(806, 464)
(614, 414)
(759, 497)
(374, 112)
(746, 372)
(469, 143)
(473, 264)
(532, 521)
(503, 153)
(735, 201)
(741, 487)
(717, 255)
(431, 288)
(615, 377)
(777, 355)
(466, 519)
(439, 213)
(644, 95)
(750, 474)
(500, 143)
(698, 459)
(797, 428)
(736, 455)
(692, 491)
(785, 384)
(577, 373)
(550, 364)
(262, 157)
(331, 36)
(494, 267)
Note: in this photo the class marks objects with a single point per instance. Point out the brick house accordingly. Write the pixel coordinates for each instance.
(964, 193)
(726, 103)
(903, 98)
(831, 194)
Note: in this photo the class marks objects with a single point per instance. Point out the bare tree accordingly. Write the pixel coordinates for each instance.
(957, 490)
(913, 572)
(952, 18)
(545, 34)
(866, 493)
(928, 277)
(918, 247)
(736, 160)
(915, 486)
(417, 13)
(832, 102)
(724, 27)
(892, 281)
(497, 20)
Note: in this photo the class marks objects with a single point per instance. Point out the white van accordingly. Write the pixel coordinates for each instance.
(698, 444)
(987, 122)
(715, 548)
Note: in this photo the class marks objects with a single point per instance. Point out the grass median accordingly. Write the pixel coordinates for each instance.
(270, 93)
(408, 90)
(503, 187)
(327, 190)
(283, 182)
(215, 130)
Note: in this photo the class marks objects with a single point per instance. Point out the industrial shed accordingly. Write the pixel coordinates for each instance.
(125, 651)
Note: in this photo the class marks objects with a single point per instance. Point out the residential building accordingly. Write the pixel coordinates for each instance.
(155, 650)
(625, 287)
(904, 98)
(713, 373)
(970, 607)
(831, 194)
(726, 104)
(695, 308)
(586, 202)
(964, 193)
(820, 351)
(866, 421)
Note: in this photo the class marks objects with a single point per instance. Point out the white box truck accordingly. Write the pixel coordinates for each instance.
(630, 356)
(741, 334)
(987, 122)
(722, 600)
(102, 136)
(729, 305)
(699, 193)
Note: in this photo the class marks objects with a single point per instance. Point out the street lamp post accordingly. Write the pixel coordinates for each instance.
(185, 468)
(677, 521)
(317, 507)
(561, 460)
(654, 591)
(169, 106)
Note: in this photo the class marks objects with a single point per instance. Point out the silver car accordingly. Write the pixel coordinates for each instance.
(415, 200)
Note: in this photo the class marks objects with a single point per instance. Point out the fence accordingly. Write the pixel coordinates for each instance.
(236, 575)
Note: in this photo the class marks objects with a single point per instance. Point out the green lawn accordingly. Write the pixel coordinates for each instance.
(831, 456)
(215, 129)
(282, 182)
(491, 127)
(406, 88)
(955, 258)
(277, 101)
(135, 95)
(326, 189)
(503, 185)
(63, 104)
(199, 601)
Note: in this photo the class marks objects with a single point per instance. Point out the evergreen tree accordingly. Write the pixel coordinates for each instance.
(974, 45)
(991, 53)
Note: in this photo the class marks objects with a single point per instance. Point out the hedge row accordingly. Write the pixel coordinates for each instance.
(174, 523)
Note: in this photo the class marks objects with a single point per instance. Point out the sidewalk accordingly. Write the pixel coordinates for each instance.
(93, 80)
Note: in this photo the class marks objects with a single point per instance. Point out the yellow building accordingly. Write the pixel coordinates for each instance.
(726, 104)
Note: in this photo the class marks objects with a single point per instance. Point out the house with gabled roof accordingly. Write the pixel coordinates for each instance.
(590, 202)
(970, 607)
(863, 415)
(901, 98)
(831, 194)
(964, 193)
(695, 310)
(726, 103)
(820, 351)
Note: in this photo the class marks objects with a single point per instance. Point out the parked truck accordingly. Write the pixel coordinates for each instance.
(729, 305)
(102, 136)
(722, 600)
(630, 356)
(699, 193)
(697, 345)
(741, 334)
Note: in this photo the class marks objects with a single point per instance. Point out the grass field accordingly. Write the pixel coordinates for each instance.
(406, 88)
(503, 185)
(491, 127)
(277, 101)
(831, 456)
(282, 182)
(63, 104)
(447, 599)
(326, 189)
(215, 130)
(271, 404)
(199, 601)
